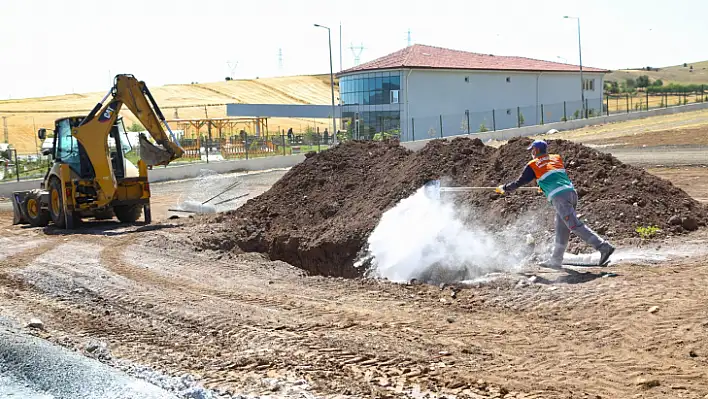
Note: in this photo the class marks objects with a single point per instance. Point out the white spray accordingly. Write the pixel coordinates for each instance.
(427, 238)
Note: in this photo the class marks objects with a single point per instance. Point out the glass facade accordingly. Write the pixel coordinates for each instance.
(370, 104)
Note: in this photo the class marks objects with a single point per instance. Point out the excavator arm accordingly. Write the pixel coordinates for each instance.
(93, 132)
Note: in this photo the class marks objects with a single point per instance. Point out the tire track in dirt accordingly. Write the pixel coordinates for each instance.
(225, 321)
(301, 345)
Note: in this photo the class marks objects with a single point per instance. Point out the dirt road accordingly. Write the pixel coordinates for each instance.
(246, 324)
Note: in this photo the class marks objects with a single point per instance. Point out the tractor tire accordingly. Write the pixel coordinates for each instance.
(128, 213)
(56, 203)
(32, 210)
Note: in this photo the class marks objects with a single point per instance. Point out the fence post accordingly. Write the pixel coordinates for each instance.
(282, 132)
(467, 113)
(587, 111)
(627, 96)
(542, 114)
(246, 145)
(565, 115)
(666, 99)
(17, 166)
(646, 90)
(318, 139)
(607, 105)
(441, 127)
(494, 120)
(208, 139)
(412, 129)
(518, 116)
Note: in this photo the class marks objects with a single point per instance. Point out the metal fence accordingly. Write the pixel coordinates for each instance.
(470, 122)
(473, 122)
(14, 167)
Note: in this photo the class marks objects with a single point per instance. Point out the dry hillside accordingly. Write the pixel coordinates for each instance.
(24, 116)
(673, 74)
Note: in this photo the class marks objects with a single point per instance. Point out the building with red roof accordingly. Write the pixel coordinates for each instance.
(425, 91)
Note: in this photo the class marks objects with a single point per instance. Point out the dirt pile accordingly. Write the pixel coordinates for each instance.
(318, 216)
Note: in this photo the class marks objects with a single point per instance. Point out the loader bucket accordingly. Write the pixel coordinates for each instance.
(151, 154)
(18, 216)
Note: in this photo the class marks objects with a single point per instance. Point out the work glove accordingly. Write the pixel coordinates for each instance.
(500, 190)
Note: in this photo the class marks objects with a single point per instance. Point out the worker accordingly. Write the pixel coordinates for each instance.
(549, 172)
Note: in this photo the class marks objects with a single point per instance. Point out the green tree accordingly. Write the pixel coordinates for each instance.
(136, 127)
(658, 83)
(612, 87)
(642, 81)
(631, 83)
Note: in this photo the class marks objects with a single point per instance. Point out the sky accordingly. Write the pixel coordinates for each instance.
(50, 47)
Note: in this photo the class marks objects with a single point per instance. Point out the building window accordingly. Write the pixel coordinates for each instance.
(508, 79)
(589, 84)
(369, 88)
(394, 97)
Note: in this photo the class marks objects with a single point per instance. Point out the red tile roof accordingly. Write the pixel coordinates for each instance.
(429, 57)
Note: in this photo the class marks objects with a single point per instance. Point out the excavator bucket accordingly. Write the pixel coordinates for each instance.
(151, 154)
(18, 216)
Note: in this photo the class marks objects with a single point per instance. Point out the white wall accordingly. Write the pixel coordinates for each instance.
(432, 93)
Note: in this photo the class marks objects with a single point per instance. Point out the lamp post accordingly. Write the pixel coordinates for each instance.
(331, 82)
(582, 82)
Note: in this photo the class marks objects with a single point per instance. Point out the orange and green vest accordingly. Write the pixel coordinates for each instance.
(550, 175)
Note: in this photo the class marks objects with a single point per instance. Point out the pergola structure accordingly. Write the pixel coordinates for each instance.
(192, 127)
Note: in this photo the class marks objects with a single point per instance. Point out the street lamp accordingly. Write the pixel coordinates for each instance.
(582, 82)
(331, 82)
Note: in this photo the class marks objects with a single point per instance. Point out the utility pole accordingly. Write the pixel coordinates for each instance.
(582, 81)
(331, 82)
(232, 68)
(356, 51)
(340, 47)
(7, 133)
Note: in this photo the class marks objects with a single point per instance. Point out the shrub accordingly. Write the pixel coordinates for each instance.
(483, 127)
(647, 232)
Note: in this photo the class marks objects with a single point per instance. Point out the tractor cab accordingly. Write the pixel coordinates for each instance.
(67, 150)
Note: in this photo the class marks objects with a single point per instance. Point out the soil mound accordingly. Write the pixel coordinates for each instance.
(319, 215)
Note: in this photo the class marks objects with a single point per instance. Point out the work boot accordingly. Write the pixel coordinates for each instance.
(551, 263)
(605, 251)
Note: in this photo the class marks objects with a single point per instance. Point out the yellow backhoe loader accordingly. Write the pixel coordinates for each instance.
(90, 175)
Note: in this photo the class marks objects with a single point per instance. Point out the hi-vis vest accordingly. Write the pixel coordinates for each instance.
(550, 174)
